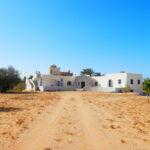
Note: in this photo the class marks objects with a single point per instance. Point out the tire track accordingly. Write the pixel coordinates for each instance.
(38, 135)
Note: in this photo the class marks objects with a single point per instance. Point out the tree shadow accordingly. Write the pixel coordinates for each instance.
(20, 93)
(6, 109)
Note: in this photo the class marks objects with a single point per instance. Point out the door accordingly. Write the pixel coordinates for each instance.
(82, 85)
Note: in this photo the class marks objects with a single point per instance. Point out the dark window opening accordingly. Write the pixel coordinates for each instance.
(96, 83)
(58, 83)
(110, 83)
(69, 83)
(138, 81)
(119, 81)
(61, 82)
(131, 81)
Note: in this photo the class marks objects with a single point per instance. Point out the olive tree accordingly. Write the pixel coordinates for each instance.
(9, 77)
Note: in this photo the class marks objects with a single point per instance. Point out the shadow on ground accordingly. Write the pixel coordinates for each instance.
(20, 93)
(5, 109)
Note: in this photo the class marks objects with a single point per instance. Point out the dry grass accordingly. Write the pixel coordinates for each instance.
(123, 141)
(47, 149)
(20, 121)
(127, 115)
(18, 111)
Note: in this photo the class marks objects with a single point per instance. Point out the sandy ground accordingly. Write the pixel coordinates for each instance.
(74, 121)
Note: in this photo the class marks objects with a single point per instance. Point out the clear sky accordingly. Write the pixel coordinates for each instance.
(106, 35)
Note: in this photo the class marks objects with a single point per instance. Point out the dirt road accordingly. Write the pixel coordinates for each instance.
(77, 123)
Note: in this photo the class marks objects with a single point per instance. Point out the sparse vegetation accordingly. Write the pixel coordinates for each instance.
(47, 149)
(18, 111)
(19, 87)
(146, 88)
(8, 78)
(127, 88)
(72, 126)
(123, 141)
(87, 71)
(30, 77)
(20, 121)
(90, 72)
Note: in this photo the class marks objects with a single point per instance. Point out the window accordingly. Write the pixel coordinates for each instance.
(110, 84)
(138, 81)
(61, 82)
(41, 82)
(96, 83)
(119, 81)
(58, 83)
(68, 83)
(131, 81)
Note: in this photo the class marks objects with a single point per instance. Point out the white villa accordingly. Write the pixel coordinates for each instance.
(64, 81)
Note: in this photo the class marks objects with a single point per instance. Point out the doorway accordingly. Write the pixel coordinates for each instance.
(82, 84)
(110, 83)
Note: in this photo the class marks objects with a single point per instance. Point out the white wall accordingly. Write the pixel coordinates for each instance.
(29, 85)
(135, 86)
(51, 82)
(89, 82)
(125, 81)
(102, 89)
(56, 88)
(103, 80)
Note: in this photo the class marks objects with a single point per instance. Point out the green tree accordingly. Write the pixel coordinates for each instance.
(9, 77)
(87, 71)
(70, 73)
(146, 87)
(97, 74)
(31, 76)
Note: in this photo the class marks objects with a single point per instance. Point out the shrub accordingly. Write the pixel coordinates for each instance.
(146, 87)
(8, 78)
(19, 87)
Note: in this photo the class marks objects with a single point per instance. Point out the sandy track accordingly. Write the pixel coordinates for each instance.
(94, 138)
(39, 134)
(76, 123)
(69, 124)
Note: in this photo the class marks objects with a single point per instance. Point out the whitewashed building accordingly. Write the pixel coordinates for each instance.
(65, 81)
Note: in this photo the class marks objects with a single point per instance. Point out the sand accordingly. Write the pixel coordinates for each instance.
(74, 121)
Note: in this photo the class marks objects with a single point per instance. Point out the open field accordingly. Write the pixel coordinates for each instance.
(74, 121)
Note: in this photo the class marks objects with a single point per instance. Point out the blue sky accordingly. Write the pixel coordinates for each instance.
(106, 35)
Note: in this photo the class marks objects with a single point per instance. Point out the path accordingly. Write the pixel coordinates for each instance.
(72, 125)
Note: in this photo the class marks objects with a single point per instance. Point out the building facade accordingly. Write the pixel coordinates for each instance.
(65, 81)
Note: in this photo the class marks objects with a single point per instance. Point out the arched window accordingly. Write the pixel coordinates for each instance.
(110, 83)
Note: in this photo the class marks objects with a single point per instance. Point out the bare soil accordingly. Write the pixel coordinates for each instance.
(74, 121)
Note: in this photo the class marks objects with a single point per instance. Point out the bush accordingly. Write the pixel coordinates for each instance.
(131, 90)
(146, 87)
(19, 87)
(8, 78)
